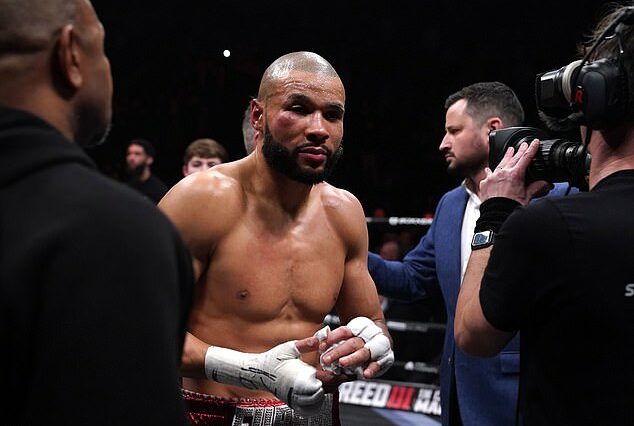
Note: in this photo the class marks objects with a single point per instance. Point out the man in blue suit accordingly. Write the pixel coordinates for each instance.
(474, 391)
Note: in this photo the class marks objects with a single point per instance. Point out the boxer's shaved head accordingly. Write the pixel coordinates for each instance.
(292, 62)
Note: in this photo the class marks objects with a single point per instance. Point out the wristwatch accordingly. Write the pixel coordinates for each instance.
(482, 239)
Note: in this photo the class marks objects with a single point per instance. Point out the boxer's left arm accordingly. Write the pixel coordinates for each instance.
(358, 298)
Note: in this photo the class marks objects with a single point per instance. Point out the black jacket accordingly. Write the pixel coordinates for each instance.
(95, 289)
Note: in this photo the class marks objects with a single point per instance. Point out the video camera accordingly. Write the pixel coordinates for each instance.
(557, 160)
(590, 92)
(593, 93)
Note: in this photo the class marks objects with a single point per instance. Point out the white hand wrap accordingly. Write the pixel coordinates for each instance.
(278, 370)
(375, 342)
(335, 368)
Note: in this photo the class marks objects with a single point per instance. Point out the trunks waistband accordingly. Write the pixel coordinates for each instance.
(210, 410)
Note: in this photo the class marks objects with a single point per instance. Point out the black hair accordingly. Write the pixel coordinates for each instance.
(490, 99)
(146, 145)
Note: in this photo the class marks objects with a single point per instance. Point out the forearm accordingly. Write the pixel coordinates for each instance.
(278, 370)
(472, 331)
(468, 307)
(193, 358)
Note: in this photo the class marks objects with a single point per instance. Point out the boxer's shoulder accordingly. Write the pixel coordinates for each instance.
(336, 199)
(208, 202)
(207, 188)
(343, 210)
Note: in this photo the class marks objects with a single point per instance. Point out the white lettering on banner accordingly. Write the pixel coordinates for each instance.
(629, 290)
(366, 399)
(344, 391)
(428, 402)
(357, 391)
(368, 394)
(381, 395)
(419, 398)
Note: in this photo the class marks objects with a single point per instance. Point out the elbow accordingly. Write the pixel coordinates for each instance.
(463, 339)
(473, 344)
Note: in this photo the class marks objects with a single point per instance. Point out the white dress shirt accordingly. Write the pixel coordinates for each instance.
(471, 215)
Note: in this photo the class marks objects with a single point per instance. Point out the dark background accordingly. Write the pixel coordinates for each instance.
(398, 60)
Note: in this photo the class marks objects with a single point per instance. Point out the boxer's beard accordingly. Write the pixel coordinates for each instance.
(284, 161)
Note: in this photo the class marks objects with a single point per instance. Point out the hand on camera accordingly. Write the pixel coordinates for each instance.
(508, 180)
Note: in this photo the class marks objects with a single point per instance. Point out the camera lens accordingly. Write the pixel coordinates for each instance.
(553, 89)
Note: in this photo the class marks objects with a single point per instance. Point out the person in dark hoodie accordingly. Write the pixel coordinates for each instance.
(92, 329)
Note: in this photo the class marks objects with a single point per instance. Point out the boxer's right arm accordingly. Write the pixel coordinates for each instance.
(278, 370)
(187, 204)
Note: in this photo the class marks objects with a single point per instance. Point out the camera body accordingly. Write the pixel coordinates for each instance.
(589, 92)
(594, 94)
(557, 160)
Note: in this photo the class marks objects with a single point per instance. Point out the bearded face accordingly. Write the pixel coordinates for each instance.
(308, 169)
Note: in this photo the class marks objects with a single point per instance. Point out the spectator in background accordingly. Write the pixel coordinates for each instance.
(203, 154)
(248, 132)
(139, 159)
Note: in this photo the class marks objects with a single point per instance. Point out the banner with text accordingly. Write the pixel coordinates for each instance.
(416, 397)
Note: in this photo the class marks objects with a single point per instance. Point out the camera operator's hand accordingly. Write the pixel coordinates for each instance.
(508, 179)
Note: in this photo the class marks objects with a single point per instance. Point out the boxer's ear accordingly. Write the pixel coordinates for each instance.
(257, 115)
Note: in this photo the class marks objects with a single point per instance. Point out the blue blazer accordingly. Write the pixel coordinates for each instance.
(487, 388)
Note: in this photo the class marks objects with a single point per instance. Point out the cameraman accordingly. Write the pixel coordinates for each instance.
(561, 270)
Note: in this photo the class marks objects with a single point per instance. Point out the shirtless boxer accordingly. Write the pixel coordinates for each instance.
(274, 247)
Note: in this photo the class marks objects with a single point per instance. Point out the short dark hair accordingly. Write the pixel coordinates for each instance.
(490, 99)
(146, 145)
(205, 148)
(28, 26)
(610, 48)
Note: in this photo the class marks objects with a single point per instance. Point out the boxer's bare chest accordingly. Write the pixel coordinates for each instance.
(268, 269)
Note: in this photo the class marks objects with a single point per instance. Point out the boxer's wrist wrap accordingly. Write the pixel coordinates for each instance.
(493, 213)
(279, 371)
